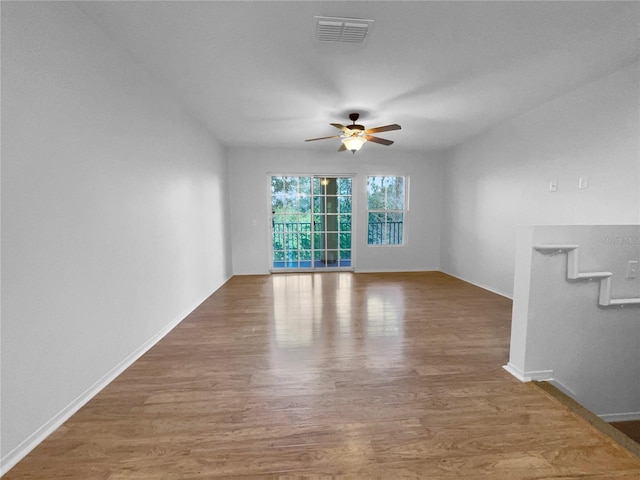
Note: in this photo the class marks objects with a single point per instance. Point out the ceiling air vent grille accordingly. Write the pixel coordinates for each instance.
(342, 30)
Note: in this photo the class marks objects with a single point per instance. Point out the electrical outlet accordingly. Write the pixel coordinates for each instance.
(553, 186)
(632, 268)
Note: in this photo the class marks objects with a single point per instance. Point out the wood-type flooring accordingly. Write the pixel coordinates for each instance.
(330, 375)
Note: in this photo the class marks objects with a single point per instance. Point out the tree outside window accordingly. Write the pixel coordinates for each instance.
(386, 200)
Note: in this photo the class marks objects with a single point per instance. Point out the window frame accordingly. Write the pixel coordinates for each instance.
(404, 211)
(345, 218)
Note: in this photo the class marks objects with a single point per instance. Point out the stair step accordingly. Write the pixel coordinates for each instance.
(548, 248)
(624, 301)
(571, 250)
(593, 275)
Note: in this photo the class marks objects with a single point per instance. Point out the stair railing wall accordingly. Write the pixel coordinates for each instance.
(576, 314)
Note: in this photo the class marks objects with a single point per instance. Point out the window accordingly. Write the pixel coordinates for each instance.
(311, 222)
(386, 210)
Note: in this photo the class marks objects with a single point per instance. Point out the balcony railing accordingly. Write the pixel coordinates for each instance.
(291, 227)
(381, 233)
(378, 233)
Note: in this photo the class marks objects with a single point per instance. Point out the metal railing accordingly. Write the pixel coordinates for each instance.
(379, 233)
(291, 227)
(389, 233)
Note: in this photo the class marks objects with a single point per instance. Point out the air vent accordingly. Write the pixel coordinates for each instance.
(342, 30)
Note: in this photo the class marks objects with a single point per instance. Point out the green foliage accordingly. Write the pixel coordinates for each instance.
(385, 193)
(296, 202)
(385, 202)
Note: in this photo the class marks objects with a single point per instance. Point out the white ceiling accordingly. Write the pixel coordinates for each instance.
(445, 71)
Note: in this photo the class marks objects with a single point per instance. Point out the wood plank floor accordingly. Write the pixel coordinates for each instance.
(330, 375)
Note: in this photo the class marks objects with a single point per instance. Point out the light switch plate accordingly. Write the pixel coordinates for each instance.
(583, 182)
(632, 268)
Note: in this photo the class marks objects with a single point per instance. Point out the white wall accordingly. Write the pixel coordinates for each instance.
(250, 207)
(501, 179)
(560, 333)
(114, 216)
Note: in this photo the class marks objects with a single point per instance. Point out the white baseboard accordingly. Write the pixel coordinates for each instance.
(620, 417)
(531, 376)
(607, 417)
(392, 270)
(484, 287)
(566, 390)
(33, 440)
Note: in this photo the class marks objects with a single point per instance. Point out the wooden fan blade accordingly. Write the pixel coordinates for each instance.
(386, 128)
(382, 141)
(341, 127)
(322, 138)
(342, 147)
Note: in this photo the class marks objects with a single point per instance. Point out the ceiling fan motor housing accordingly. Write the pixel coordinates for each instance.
(354, 118)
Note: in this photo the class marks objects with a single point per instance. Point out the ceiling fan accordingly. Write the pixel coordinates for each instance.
(354, 136)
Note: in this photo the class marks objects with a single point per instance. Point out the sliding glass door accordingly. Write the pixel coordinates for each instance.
(311, 218)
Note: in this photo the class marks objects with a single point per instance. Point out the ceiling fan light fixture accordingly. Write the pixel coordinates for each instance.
(354, 142)
(354, 136)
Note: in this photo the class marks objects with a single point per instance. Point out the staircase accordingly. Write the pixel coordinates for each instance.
(573, 273)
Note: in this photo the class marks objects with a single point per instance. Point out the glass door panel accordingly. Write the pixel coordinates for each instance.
(311, 222)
